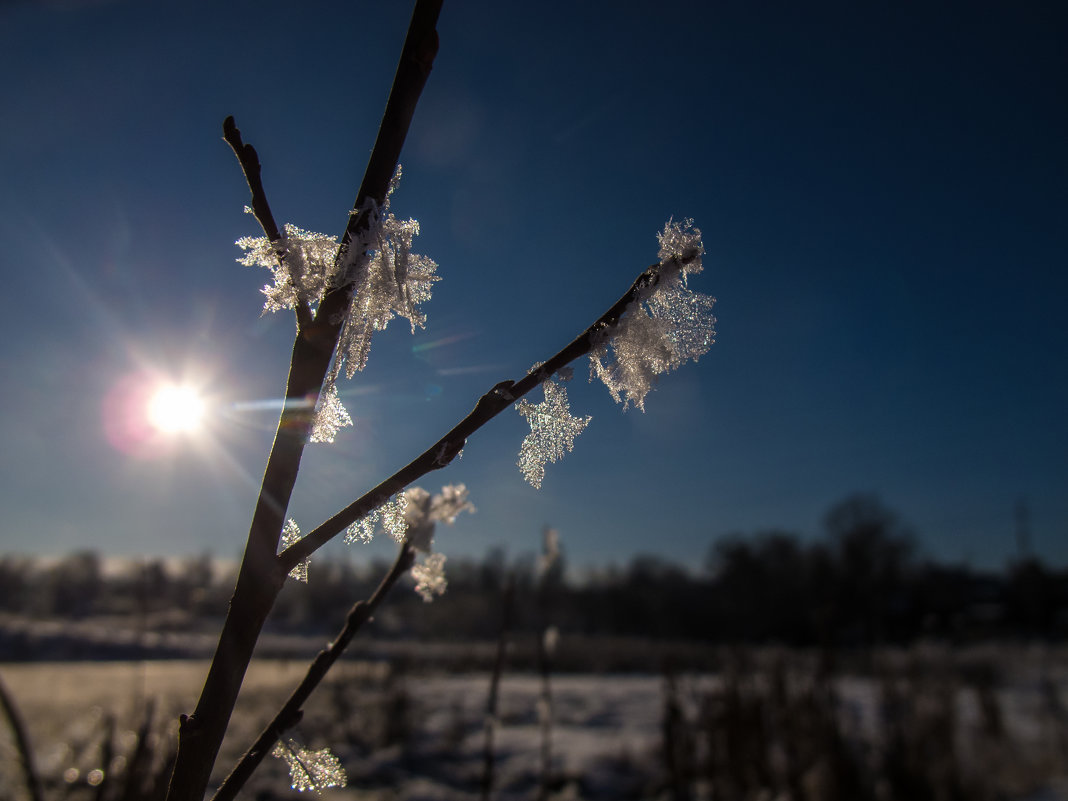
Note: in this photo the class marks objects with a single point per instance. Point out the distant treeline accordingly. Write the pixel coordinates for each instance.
(862, 584)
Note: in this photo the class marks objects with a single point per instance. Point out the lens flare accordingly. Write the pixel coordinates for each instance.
(176, 409)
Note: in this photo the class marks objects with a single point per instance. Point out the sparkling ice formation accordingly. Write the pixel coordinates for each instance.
(552, 431)
(663, 328)
(386, 279)
(290, 535)
(311, 770)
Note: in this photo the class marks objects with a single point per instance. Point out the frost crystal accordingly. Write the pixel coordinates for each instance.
(420, 527)
(290, 535)
(662, 329)
(311, 770)
(302, 273)
(363, 530)
(430, 576)
(448, 504)
(388, 280)
(330, 415)
(389, 514)
(393, 517)
(412, 515)
(552, 431)
(425, 511)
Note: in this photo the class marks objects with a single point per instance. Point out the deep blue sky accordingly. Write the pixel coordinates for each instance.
(882, 191)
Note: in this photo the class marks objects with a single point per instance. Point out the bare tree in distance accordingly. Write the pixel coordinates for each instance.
(340, 292)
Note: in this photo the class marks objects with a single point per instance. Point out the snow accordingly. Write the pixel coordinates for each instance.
(607, 732)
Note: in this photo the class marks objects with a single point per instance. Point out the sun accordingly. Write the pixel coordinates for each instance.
(176, 409)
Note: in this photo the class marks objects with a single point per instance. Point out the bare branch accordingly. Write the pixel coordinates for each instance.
(261, 209)
(260, 577)
(496, 400)
(290, 713)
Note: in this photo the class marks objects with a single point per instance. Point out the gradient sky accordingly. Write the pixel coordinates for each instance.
(883, 191)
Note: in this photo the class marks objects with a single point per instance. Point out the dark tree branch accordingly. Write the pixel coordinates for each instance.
(261, 209)
(290, 713)
(417, 58)
(261, 576)
(496, 400)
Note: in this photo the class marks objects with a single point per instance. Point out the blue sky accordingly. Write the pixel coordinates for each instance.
(881, 188)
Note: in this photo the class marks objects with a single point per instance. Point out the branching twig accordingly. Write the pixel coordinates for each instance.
(261, 576)
(261, 209)
(22, 744)
(290, 713)
(495, 401)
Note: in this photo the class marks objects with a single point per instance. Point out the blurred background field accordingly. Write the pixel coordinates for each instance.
(911, 723)
(851, 667)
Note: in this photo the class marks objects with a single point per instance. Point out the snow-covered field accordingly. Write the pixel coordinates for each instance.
(766, 728)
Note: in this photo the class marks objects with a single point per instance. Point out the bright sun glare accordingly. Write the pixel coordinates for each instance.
(176, 409)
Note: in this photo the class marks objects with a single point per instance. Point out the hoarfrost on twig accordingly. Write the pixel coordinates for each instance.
(420, 527)
(425, 511)
(330, 415)
(552, 431)
(430, 576)
(390, 515)
(661, 329)
(393, 516)
(310, 770)
(301, 275)
(363, 530)
(290, 535)
(385, 278)
(449, 503)
(412, 514)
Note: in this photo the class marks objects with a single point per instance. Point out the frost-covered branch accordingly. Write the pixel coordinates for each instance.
(342, 291)
(260, 578)
(290, 713)
(492, 403)
(261, 209)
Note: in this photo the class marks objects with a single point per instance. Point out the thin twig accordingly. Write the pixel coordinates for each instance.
(290, 713)
(30, 775)
(261, 209)
(496, 400)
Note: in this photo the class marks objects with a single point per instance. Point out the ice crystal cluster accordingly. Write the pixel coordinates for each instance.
(389, 516)
(386, 280)
(552, 429)
(664, 327)
(310, 770)
(290, 535)
(413, 516)
(330, 415)
(429, 576)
